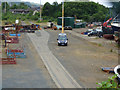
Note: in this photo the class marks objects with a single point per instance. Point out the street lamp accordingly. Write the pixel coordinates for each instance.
(63, 16)
(40, 11)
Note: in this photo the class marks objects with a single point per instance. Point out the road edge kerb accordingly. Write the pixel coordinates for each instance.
(58, 84)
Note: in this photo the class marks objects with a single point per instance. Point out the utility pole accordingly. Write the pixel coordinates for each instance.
(40, 11)
(63, 16)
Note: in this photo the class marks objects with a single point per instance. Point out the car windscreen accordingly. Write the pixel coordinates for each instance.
(62, 37)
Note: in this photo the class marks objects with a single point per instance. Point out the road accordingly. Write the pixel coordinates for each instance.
(82, 59)
(58, 73)
(48, 65)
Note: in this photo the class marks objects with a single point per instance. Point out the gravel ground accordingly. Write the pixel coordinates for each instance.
(83, 59)
(110, 44)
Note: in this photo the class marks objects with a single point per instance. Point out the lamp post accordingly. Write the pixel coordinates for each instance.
(63, 16)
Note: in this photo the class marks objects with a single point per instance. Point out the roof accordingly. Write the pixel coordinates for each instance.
(66, 17)
(19, 10)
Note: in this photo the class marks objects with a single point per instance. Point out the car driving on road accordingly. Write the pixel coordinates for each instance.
(62, 39)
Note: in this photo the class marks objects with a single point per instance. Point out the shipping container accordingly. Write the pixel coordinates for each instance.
(68, 21)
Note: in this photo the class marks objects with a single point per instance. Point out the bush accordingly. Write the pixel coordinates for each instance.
(110, 83)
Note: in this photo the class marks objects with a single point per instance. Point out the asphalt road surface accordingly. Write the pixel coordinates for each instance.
(82, 59)
(58, 73)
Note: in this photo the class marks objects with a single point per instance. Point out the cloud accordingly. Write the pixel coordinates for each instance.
(42, 1)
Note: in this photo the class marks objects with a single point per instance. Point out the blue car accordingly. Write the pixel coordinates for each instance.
(62, 39)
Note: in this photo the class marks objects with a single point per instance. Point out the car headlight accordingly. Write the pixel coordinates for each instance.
(58, 41)
(65, 41)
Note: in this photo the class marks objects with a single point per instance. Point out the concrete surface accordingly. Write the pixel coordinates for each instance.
(29, 72)
(59, 74)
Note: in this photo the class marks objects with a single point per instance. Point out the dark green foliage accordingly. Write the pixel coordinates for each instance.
(20, 6)
(88, 11)
(116, 7)
(5, 4)
(110, 83)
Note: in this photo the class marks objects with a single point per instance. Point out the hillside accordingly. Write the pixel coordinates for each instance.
(88, 11)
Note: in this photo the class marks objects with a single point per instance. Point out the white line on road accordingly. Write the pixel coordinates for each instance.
(58, 73)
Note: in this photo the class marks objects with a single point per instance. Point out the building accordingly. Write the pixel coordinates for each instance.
(19, 11)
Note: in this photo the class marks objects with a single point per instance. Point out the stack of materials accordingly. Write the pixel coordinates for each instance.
(16, 52)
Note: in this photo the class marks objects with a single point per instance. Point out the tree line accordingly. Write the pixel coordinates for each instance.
(87, 11)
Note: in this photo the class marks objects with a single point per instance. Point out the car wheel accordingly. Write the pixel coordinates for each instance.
(89, 35)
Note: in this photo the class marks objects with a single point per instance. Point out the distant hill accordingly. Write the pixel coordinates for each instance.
(32, 4)
(11, 1)
(27, 3)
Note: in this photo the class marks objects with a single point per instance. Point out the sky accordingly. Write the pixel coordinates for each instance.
(43, 1)
(103, 2)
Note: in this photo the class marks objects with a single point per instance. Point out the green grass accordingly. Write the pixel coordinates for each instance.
(42, 21)
(111, 50)
(97, 38)
(27, 22)
(99, 45)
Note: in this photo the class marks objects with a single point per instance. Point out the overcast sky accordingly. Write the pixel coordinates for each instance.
(104, 2)
(43, 1)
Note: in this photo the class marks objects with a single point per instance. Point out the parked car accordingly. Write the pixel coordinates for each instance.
(62, 39)
(67, 28)
(99, 32)
(86, 33)
(96, 32)
(92, 33)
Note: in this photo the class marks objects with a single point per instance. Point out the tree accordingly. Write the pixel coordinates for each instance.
(14, 6)
(5, 6)
(88, 11)
(47, 9)
(116, 7)
(22, 6)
